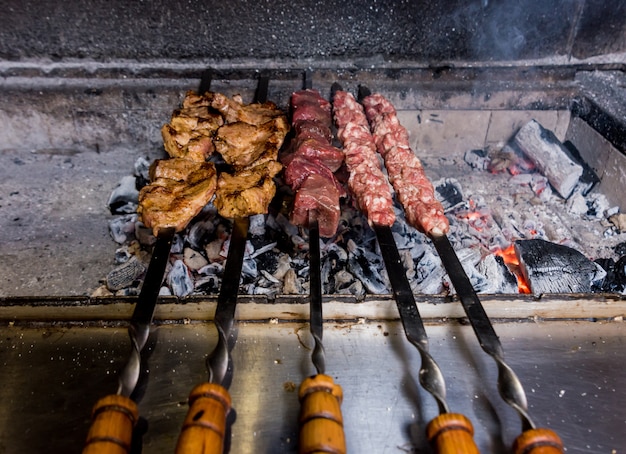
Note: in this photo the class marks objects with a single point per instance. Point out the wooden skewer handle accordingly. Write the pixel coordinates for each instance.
(451, 433)
(538, 441)
(204, 427)
(113, 419)
(321, 422)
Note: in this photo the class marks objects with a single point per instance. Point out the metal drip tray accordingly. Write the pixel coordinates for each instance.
(54, 372)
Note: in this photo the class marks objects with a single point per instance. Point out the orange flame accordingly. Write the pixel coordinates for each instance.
(510, 258)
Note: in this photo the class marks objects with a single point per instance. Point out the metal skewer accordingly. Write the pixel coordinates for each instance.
(449, 432)
(114, 416)
(205, 426)
(533, 440)
(321, 421)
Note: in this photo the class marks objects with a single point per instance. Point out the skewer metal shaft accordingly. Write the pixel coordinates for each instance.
(114, 416)
(321, 421)
(316, 319)
(449, 432)
(509, 385)
(205, 426)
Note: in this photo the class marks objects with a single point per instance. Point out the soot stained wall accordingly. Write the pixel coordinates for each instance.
(430, 31)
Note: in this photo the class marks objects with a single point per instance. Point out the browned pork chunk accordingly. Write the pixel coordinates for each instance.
(234, 110)
(248, 191)
(189, 134)
(241, 144)
(180, 188)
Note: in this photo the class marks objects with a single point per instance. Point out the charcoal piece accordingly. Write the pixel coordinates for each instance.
(499, 277)
(334, 259)
(257, 225)
(615, 278)
(589, 178)
(448, 191)
(125, 197)
(122, 229)
(179, 279)
(620, 249)
(550, 156)
(555, 268)
(429, 274)
(200, 232)
(142, 172)
(124, 275)
(207, 284)
(291, 283)
(194, 259)
(619, 221)
(367, 266)
(249, 270)
(477, 159)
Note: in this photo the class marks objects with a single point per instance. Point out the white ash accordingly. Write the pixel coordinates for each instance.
(179, 279)
(125, 197)
(477, 159)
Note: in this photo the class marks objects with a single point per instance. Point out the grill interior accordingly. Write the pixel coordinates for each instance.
(79, 105)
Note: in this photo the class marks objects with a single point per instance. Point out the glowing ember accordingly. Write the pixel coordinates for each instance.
(511, 260)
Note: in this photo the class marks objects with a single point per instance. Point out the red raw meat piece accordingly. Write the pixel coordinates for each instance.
(319, 195)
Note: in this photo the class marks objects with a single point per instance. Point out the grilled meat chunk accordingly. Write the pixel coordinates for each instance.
(318, 195)
(189, 134)
(248, 191)
(241, 144)
(180, 188)
(234, 110)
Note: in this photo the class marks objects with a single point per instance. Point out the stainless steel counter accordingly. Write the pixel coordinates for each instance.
(573, 373)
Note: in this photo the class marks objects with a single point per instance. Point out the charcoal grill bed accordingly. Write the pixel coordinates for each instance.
(62, 349)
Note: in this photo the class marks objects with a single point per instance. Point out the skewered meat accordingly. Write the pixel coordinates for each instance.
(241, 144)
(367, 181)
(248, 191)
(300, 168)
(247, 136)
(180, 188)
(311, 163)
(319, 195)
(190, 131)
(252, 149)
(234, 110)
(309, 129)
(406, 173)
(316, 150)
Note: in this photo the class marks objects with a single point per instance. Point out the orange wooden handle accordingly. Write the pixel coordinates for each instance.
(321, 423)
(452, 433)
(113, 418)
(204, 428)
(538, 441)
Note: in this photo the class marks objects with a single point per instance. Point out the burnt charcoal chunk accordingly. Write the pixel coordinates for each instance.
(615, 279)
(589, 178)
(449, 193)
(555, 268)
